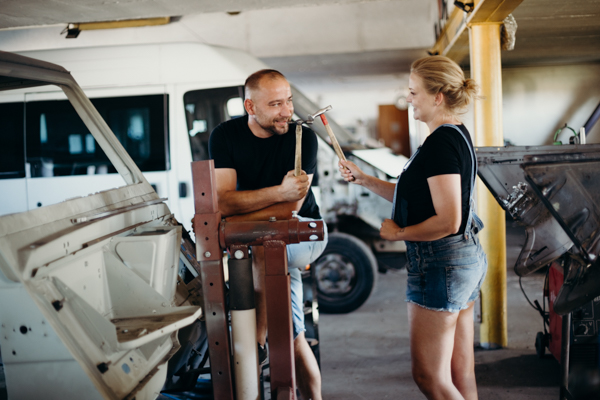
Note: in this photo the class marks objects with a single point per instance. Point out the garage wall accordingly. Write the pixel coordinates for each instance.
(539, 100)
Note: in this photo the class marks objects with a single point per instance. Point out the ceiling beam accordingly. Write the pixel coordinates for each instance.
(126, 23)
(453, 42)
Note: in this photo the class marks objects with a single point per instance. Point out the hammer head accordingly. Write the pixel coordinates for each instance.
(311, 118)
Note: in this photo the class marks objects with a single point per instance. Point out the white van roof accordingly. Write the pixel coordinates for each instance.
(152, 64)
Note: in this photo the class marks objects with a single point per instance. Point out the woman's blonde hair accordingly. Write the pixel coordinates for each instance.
(442, 75)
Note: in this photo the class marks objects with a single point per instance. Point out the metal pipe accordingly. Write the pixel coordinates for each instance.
(565, 350)
(243, 326)
(592, 120)
(565, 342)
(486, 69)
(257, 232)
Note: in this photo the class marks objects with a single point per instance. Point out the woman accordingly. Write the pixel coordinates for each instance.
(432, 212)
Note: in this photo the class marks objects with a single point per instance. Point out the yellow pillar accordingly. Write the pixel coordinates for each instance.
(486, 69)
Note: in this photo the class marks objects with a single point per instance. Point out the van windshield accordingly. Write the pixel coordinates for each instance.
(205, 109)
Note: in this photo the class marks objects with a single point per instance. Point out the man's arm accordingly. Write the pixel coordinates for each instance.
(293, 189)
(282, 210)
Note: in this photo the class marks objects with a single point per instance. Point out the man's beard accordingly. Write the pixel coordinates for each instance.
(271, 127)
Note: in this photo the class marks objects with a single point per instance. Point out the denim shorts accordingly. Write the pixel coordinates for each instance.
(299, 256)
(445, 274)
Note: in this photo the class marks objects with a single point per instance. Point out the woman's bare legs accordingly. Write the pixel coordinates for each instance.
(433, 337)
(463, 357)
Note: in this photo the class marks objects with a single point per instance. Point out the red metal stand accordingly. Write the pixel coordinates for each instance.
(212, 237)
(210, 258)
(279, 319)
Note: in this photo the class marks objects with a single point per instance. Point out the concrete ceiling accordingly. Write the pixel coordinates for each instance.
(309, 39)
(24, 13)
(556, 32)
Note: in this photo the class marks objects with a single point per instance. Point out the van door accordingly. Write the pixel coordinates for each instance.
(12, 159)
(207, 108)
(64, 161)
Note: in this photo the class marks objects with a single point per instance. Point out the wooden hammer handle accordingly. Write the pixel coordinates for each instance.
(334, 142)
(298, 159)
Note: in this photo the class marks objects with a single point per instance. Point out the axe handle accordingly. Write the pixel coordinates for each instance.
(298, 159)
(334, 142)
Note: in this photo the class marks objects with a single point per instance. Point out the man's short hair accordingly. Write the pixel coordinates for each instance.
(253, 81)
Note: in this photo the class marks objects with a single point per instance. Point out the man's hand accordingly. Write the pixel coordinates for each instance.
(294, 188)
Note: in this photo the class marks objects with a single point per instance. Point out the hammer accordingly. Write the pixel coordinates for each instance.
(336, 146)
(309, 120)
(334, 142)
(298, 159)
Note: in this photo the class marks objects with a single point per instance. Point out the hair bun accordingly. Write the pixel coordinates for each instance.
(440, 74)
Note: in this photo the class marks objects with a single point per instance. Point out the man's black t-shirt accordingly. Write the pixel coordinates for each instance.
(261, 163)
(445, 151)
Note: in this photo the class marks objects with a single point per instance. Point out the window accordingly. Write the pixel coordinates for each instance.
(235, 107)
(59, 143)
(205, 109)
(12, 141)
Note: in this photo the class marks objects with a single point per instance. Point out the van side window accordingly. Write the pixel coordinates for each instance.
(205, 109)
(59, 144)
(12, 141)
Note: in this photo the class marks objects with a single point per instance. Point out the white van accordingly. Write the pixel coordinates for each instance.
(162, 101)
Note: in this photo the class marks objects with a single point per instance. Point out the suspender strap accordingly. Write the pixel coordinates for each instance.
(473, 176)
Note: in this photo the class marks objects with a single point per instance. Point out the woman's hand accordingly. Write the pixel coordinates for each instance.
(390, 231)
(351, 173)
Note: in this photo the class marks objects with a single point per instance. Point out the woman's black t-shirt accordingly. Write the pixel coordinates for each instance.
(261, 163)
(445, 151)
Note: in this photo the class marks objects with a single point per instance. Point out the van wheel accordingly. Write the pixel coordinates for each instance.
(346, 273)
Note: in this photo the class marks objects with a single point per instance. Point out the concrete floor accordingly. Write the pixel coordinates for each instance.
(365, 354)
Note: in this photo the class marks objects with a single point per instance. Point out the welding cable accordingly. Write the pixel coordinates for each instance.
(558, 142)
(546, 315)
(536, 306)
(527, 298)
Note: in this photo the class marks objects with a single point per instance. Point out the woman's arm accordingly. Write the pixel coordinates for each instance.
(447, 201)
(351, 173)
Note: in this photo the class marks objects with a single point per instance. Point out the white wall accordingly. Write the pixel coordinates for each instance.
(539, 100)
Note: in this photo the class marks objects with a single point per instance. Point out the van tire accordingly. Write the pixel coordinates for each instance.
(345, 274)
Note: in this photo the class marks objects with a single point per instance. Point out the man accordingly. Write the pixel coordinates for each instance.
(254, 168)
